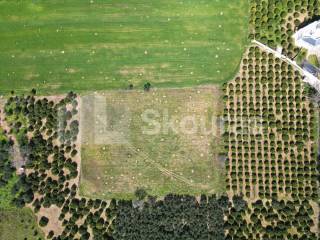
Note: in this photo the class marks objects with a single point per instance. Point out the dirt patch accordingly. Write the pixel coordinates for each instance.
(54, 224)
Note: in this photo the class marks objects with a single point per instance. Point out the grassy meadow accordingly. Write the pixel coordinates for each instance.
(58, 46)
(165, 141)
(16, 224)
(6, 196)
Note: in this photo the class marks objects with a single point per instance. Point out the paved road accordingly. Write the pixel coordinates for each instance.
(308, 77)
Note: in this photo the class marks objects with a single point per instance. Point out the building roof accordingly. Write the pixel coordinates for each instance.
(309, 36)
(310, 68)
(311, 41)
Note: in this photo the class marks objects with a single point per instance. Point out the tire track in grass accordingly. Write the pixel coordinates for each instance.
(167, 172)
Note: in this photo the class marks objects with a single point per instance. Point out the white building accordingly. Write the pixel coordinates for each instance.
(309, 37)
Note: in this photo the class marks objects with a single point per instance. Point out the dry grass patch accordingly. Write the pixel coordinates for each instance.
(122, 151)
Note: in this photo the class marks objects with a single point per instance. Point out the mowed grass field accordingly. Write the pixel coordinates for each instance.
(58, 46)
(19, 224)
(165, 141)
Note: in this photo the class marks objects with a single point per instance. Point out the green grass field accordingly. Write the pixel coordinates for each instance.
(19, 224)
(6, 196)
(58, 46)
(123, 151)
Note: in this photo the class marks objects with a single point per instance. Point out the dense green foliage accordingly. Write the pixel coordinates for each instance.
(7, 171)
(6, 168)
(175, 217)
(43, 221)
(270, 219)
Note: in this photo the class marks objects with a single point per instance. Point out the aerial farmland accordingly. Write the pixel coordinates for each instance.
(159, 120)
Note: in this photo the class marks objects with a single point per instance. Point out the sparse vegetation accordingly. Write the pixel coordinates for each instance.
(16, 224)
(165, 141)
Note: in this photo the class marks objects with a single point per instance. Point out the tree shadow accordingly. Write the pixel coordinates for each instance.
(309, 21)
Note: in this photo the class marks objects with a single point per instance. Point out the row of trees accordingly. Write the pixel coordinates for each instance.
(269, 136)
(270, 128)
(273, 22)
